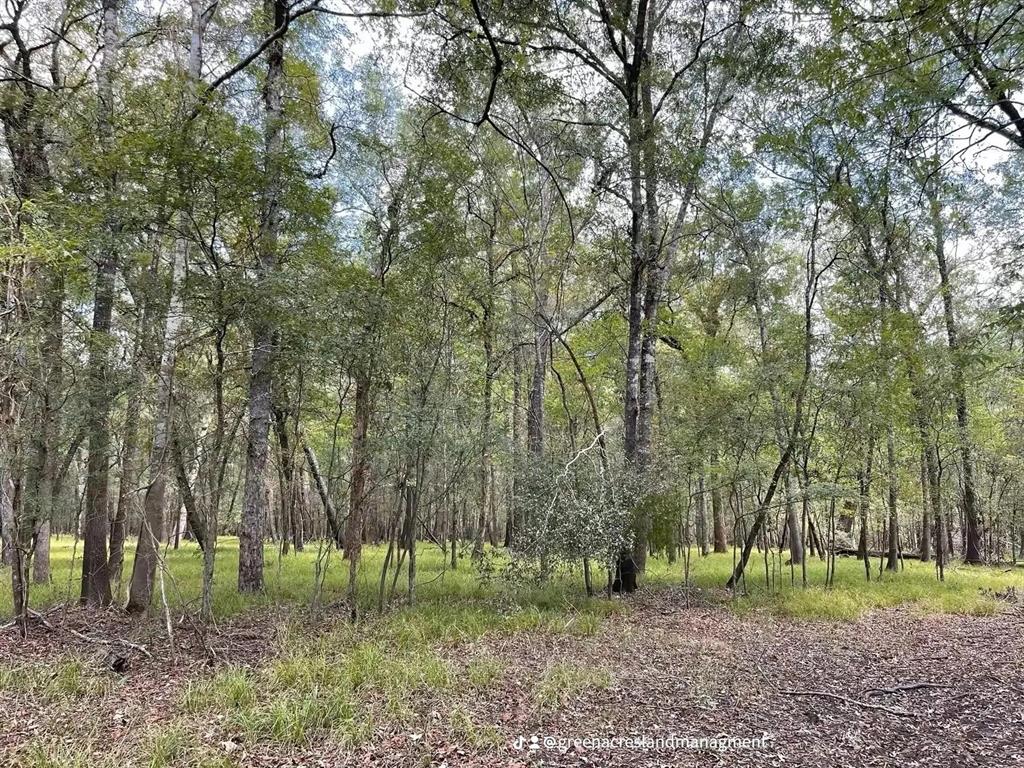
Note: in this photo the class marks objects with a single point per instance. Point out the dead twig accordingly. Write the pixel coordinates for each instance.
(848, 700)
(36, 616)
(116, 641)
(901, 688)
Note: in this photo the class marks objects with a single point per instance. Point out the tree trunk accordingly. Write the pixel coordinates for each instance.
(702, 515)
(12, 549)
(864, 505)
(893, 558)
(535, 404)
(717, 508)
(796, 543)
(41, 554)
(288, 487)
(151, 530)
(333, 520)
(490, 372)
(95, 572)
(926, 505)
(254, 499)
(127, 486)
(358, 493)
(972, 516)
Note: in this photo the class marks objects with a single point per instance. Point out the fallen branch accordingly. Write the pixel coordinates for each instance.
(36, 616)
(99, 641)
(864, 704)
(901, 688)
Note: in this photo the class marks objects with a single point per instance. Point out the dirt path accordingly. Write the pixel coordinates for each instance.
(663, 670)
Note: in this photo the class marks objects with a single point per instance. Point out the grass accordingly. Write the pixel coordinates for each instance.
(327, 679)
(459, 605)
(562, 682)
(968, 590)
(65, 681)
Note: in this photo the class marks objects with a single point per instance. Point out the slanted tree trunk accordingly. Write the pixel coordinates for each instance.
(127, 486)
(333, 519)
(154, 505)
(147, 550)
(786, 452)
(793, 527)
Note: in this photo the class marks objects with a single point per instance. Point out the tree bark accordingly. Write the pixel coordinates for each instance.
(893, 557)
(333, 521)
(254, 499)
(972, 515)
(490, 373)
(358, 493)
(864, 505)
(95, 572)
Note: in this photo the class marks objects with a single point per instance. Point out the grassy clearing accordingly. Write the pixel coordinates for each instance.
(967, 590)
(327, 681)
(459, 605)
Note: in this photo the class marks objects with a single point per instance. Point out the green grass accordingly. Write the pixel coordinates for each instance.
(561, 682)
(64, 681)
(968, 590)
(454, 606)
(327, 679)
(481, 673)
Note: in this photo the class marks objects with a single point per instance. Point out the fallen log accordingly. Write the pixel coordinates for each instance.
(873, 553)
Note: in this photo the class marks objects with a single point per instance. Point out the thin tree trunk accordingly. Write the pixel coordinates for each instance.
(490, 372)
(972, 515)
(254, 499)
(702, 516)
(151, 530)
(717, 508)
(95, 571)
(358, 494)
(333, 519)
(893, 559)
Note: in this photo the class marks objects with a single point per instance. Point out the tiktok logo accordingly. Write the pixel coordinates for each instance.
(522, 743)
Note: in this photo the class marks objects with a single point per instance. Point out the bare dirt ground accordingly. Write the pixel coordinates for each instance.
(892, 688)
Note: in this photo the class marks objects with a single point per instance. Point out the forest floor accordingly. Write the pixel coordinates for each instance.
(472, 673)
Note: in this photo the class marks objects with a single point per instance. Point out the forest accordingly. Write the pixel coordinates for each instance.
(483, 382)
